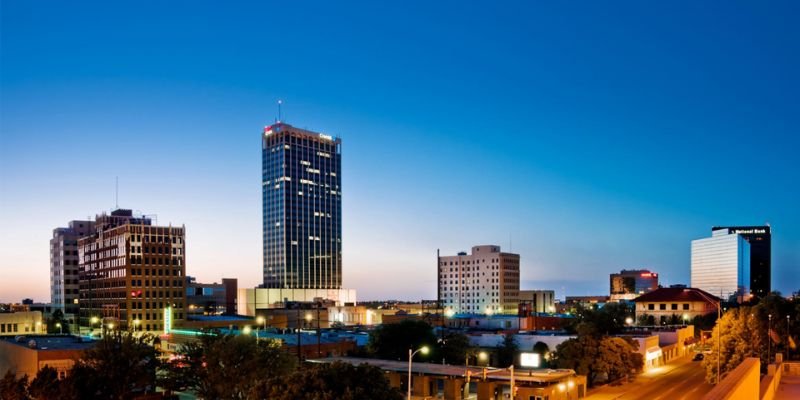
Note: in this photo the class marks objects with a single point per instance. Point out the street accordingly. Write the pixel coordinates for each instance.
(682, 379)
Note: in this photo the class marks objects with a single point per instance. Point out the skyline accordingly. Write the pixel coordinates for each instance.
(586, 140)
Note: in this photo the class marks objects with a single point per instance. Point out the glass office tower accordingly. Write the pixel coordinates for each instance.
(302, 208)
(760, 239)
(721, 265)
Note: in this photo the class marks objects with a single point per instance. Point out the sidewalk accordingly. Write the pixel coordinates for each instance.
(642, 380)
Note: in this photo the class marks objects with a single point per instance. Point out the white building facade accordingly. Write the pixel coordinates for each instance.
(484, 282)
(721, 265)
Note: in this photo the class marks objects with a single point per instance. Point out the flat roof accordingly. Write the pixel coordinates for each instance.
(51, 342)
(498, 374)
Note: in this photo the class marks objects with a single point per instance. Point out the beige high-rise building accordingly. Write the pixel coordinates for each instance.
(132, 274)
(484, 282)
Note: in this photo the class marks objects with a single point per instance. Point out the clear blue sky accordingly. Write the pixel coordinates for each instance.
(586, 136)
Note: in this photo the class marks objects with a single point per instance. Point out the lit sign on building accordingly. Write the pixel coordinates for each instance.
(326, 137)
(531, 360)
(167, 320)
(749, 231)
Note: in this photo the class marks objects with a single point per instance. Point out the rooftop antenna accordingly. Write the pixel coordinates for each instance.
(116, 193)
(279, 110)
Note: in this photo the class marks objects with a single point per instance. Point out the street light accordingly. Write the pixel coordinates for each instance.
(769, 338)
(60, 331)
(263, 321)
(136, 323)
(247, 330)
(629, 321)
(423, 350)
(92, 321)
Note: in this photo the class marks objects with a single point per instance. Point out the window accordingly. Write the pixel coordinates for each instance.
(651, 306)
(662, 306)
(674, 306)
(685, 306)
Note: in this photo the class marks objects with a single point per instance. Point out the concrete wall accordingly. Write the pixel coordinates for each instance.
(741, 383)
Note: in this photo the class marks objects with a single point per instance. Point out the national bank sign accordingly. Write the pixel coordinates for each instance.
(752, 231)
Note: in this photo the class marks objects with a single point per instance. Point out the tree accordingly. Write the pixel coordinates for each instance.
(542, 349)
(332, 382)
(507, 351)
(606, 320)
(741, 337)
(392, 341)
(45, 386)
(226, 366)
(119, 366)
(12, 388)
(454, 348)
(600, 359)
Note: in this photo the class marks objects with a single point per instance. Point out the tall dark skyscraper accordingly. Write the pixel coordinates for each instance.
(760, 239)
(302, 208)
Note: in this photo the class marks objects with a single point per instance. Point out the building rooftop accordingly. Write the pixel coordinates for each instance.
(677, 294)
(532, 375)
(50, 342)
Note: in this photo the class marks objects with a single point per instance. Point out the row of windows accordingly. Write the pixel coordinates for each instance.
(663, 306)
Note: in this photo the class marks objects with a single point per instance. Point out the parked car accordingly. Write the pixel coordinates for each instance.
(698, 357)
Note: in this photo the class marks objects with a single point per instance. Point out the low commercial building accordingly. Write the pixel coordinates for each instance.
(211, 298)
(26, 355)
(250, 300)
(629, 284)
(674, 305)
(21, 323)
(537, 301)
(453, 382)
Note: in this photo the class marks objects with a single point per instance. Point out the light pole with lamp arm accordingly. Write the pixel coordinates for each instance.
(261, 321)
(411, 353)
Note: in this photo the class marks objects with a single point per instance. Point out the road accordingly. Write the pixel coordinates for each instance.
(683, 379)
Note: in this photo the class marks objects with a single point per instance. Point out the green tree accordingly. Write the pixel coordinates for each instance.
(12, 388)
(542, 349)
(606, 320)
(226, 366)
(392, 341)
(600, 359)
(507, 352)
(336, 381)
(454, 349)
(742, 337)
(119, 366)
(45, 386)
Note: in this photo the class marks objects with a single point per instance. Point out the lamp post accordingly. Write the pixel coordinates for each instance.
(92, 321)
(136, 323)
(60, 330)
(262, 321)
(423, 350)
(769, 338)
(788, 338)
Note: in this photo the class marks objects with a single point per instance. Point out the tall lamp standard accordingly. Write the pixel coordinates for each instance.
(769, 338)
(263, 321)
(423, 350)
(60, 330)
(788, 338)
(92, 321)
